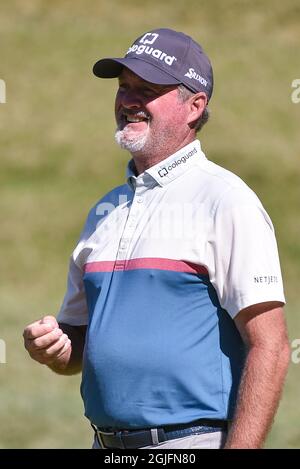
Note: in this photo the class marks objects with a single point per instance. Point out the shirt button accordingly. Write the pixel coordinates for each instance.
(139, 200)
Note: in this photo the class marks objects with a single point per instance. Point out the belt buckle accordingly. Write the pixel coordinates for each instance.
(99, 434)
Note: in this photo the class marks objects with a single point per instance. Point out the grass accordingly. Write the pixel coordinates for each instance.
(58, 157)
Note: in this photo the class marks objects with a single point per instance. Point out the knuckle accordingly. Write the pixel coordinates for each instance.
(65, 348)
(50, 352)
(27, 332)
(48, 317)
(57, 333)
(51, 320)
(28, 347)
(37, 344)
(64, 338)
(67, 344)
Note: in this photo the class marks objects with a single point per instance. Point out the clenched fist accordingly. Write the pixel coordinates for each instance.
(46, 342)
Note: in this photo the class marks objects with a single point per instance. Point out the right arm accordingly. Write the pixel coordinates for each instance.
(59, 346)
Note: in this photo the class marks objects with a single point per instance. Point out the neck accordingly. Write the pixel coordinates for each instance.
(145, 160)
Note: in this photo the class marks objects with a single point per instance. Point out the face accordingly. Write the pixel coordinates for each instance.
(150, 118)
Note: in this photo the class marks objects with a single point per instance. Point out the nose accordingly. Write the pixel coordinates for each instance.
(129, 99)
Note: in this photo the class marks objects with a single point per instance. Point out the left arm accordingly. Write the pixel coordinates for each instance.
(264, 333)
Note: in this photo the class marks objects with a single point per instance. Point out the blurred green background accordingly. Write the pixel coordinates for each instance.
(58, 157)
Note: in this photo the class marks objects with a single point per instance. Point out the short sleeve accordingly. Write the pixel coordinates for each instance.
(245, 262)
(74, 308)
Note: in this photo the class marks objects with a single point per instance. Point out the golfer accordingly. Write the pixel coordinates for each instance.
(174, 305)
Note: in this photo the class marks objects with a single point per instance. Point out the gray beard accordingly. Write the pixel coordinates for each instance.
(133, 144)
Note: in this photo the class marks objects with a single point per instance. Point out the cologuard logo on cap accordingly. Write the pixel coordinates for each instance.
(143, 49)
(154, 36)
(164, 57)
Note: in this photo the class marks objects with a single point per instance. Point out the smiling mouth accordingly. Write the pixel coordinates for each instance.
(135, 117)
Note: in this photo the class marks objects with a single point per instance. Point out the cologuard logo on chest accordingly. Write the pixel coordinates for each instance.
(176, 162)
(150, 38)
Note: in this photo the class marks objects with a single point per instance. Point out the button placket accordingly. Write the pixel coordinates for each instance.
(129, 229)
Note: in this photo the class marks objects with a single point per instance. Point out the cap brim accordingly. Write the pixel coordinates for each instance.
(112, 68)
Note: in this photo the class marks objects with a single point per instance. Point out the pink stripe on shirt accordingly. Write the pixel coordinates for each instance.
(147, 263)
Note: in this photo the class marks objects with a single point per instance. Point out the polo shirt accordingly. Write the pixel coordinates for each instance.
(163, 265)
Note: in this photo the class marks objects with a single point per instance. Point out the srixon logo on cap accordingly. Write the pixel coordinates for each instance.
(150, 38)
(195, 76)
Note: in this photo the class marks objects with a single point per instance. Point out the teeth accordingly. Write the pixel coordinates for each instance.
(134, 119)
(137, 117)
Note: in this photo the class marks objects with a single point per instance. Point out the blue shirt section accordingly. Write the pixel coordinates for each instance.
(158, 348)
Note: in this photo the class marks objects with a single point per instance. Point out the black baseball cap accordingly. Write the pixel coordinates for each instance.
(164, 57)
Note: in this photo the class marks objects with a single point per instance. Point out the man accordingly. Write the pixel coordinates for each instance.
(174, 301)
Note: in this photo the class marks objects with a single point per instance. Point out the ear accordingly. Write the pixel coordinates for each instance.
(197, 104)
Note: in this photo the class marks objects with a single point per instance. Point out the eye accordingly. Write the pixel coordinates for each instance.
(122, 88)
(150, 92)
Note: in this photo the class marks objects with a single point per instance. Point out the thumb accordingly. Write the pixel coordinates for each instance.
(50, 320)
